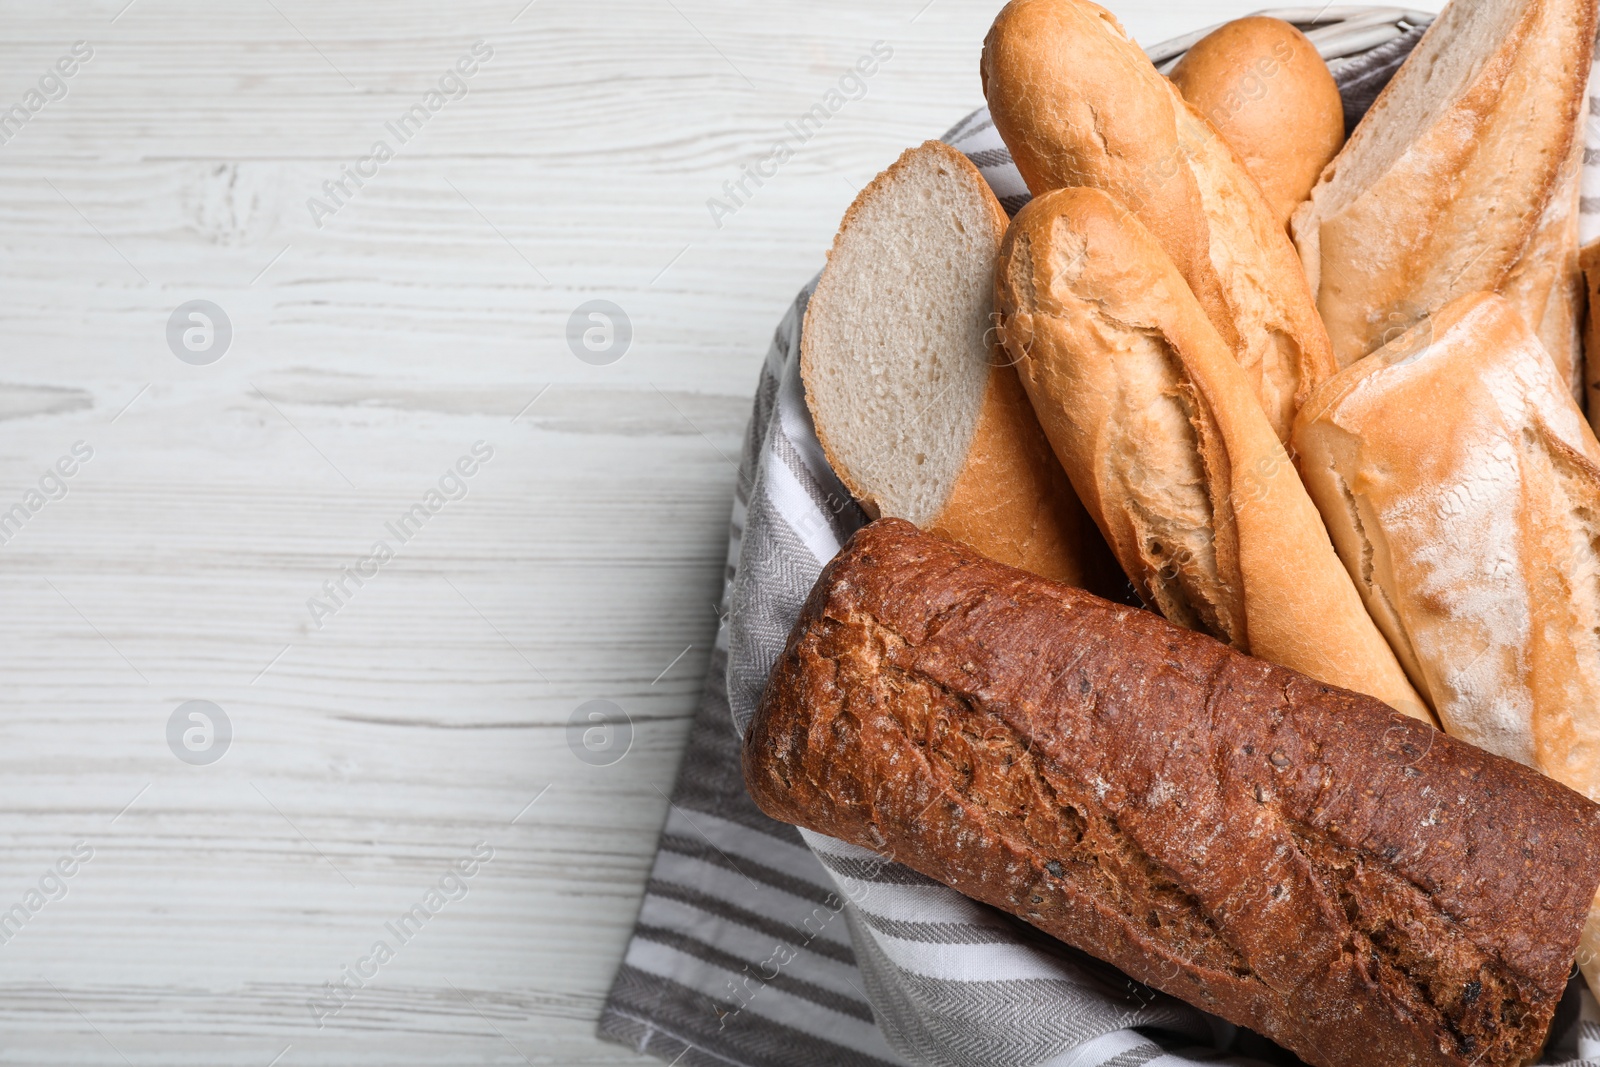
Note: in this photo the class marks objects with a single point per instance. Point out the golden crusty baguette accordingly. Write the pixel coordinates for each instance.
(1158, 429)
(918, 415)
(1459, 180)
(1078, 104)
(1265, 88)
(1462, 487)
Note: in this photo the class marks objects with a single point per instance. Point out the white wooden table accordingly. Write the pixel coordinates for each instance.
(426, 313)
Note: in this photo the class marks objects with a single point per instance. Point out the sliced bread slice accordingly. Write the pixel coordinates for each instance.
(918, 413)
(1457, 176)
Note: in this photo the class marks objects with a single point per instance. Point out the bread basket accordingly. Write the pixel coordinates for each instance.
(894, 969)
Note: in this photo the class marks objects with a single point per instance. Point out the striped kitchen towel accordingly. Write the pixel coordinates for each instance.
(761, 945)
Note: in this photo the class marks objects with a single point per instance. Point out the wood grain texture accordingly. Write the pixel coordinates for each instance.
(368, 354)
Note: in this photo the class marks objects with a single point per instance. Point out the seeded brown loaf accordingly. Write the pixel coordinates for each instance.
(1078, 104)
(1295, 858)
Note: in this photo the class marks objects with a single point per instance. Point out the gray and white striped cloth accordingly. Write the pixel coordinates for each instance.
(760, 945)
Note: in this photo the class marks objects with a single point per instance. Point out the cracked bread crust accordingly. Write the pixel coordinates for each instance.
(1169, 451)
(1296, 858)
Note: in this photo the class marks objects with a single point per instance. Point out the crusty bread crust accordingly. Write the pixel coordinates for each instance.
(1013, 502)
(1010, 499)
(1300, 860)
(1262, 85)
(1462, 488)
(1463, 204)
(1160, 434)
(1078, 104)
(1547, 284)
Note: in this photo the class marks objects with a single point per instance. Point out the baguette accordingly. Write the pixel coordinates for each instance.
(917, 415)
(1298, 859)
(1262, 85)
(1462, 487)
(1157, 428)
(1078, 104)
(1460, 179)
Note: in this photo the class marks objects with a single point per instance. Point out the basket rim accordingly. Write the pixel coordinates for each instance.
(1337, 31)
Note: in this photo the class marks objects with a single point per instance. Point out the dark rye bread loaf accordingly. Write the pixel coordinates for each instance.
(1298, 859)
